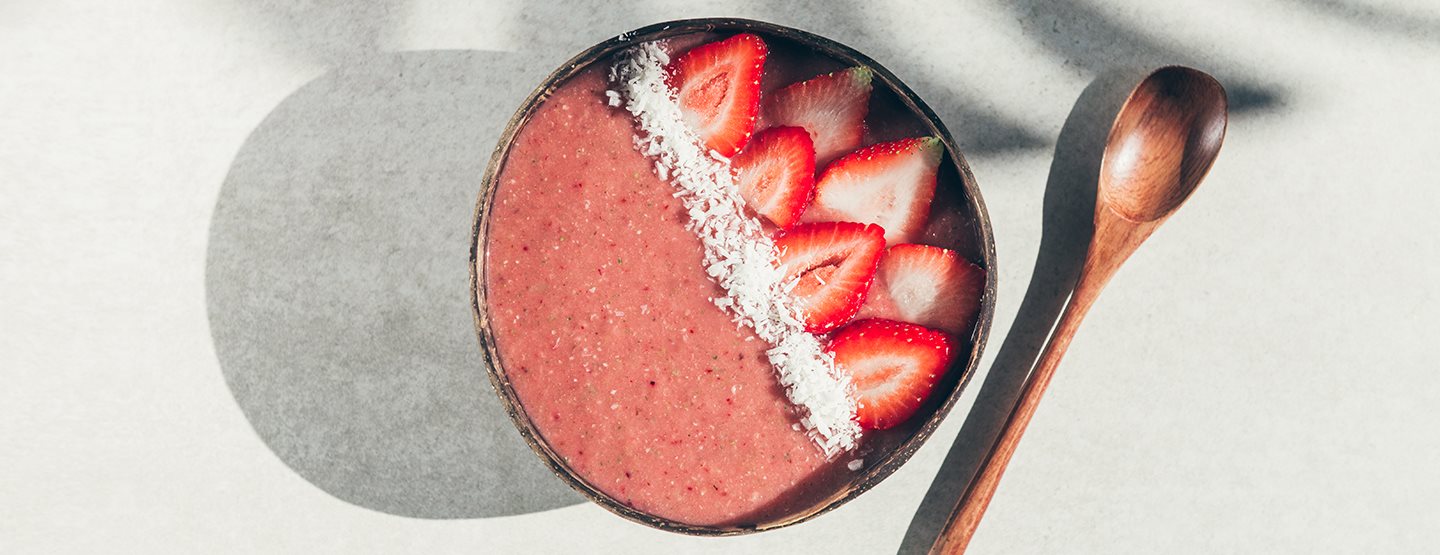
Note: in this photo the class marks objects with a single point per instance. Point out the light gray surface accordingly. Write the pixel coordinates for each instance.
(220, 218)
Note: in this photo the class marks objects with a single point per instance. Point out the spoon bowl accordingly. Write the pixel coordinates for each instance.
(1162, 143)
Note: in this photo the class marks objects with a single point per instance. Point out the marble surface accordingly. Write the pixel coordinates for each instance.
(233, 314)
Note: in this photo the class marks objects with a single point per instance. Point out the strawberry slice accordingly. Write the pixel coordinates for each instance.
(890, 184)
(831, 107)
(718, 87)
(776, 174)
(833, 263)
(929, 286)
(894, 366)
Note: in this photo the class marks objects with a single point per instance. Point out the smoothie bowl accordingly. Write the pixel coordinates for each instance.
(728, 275)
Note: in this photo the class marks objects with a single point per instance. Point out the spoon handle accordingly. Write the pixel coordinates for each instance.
(966, 516)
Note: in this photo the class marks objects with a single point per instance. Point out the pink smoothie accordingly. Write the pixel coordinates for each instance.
(603, 322)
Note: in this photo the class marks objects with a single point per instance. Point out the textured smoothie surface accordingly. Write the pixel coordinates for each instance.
(604, 324)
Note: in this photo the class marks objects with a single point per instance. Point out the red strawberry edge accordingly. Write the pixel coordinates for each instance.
(832, 107)
(894, 367)
(833, 264)
(926, 285)
(849, 188)
(724, 116)
(776, 174)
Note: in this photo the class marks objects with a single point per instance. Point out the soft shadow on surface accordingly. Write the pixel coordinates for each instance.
(1067, 221)
(325, 31)
(1377, 18)
(337, 286)
(1082, 34)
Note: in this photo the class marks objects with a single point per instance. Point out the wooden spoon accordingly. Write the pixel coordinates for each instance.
(1162, 144)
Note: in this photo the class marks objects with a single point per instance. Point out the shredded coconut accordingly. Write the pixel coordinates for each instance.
(739, 255)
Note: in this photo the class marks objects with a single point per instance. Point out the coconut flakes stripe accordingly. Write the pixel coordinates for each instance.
(739, 256)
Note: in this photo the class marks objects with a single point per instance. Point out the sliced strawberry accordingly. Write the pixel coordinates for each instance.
(926, 285)
(890, 184)
(776, 174)
(834, 263)
(894, 366)
(718, 87)
(831, 107)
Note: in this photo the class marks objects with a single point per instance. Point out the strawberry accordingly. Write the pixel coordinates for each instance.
(894, 366)
(776, 174)
(890, 184)
(831, 107)
(718, 87)
(833, 263)
(929, 286)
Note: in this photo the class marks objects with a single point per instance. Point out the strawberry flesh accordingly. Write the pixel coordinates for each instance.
(718, 87)
(890, 184)
(893, 365)
(831, 107)
(928, 286)
(776, 174)
(832, 264)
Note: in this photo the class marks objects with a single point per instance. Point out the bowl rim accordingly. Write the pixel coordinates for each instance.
(479, 234)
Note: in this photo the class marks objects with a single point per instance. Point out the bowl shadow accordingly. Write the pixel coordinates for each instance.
(336, 287)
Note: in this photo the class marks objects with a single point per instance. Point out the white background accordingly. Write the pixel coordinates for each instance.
(1261, 377)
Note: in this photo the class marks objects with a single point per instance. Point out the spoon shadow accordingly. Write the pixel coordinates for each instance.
(1065, 235)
